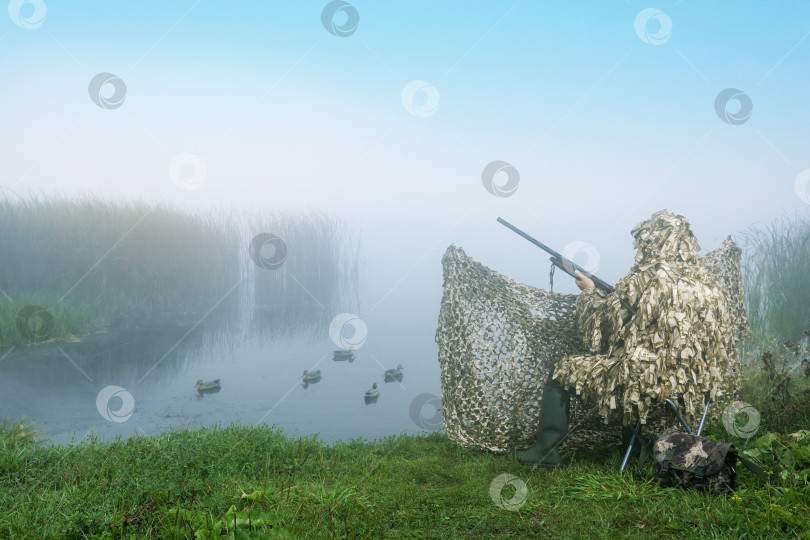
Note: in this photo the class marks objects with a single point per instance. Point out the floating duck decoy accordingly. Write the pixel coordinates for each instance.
(207, 386)
(311, 376)
(394, 373)
(372, 392)
(344, 354)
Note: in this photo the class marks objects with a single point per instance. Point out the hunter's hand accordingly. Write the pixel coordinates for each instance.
(583, 281)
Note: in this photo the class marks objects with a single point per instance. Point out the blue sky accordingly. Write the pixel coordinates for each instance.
(603, 127)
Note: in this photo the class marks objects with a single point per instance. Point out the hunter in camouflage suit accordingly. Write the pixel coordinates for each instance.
(664, 332)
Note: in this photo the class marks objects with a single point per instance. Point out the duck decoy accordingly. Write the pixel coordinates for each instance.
(344, 354)
(394, 373)
(372, 392)
(207, 386)
(311, 376)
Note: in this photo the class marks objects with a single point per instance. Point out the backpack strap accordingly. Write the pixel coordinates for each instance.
(667, 459)
(757, 470)
(646, 453)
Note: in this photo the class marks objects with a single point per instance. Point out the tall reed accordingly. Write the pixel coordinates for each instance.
(135, 260)
(317, 280)
(121, 258)
(776, 277)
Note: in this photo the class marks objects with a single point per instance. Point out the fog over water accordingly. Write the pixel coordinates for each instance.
(388, 129)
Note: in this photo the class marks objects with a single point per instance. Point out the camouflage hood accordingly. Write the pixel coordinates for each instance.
(665, 237)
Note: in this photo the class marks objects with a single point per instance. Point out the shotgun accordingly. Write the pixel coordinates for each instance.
(558, 260)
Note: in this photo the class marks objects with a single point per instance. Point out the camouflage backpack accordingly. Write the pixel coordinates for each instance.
(685, 460)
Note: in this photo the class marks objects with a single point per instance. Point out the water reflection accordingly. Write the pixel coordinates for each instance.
(202, 393)
(317, 279)
(342, 355)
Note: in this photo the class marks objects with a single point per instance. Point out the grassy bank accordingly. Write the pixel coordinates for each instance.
(258, 482)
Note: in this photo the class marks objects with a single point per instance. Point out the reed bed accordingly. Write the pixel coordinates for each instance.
(317, 280)
(776, 275)
(91, 261)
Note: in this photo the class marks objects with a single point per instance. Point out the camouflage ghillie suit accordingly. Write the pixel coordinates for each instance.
(664, 331)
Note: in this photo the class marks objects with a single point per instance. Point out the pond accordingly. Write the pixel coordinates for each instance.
(59, 385)
(137, 377)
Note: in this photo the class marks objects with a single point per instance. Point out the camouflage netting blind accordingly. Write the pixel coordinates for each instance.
(499, 338)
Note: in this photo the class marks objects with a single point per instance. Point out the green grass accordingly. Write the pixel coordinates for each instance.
(69, 320)
(179, 483)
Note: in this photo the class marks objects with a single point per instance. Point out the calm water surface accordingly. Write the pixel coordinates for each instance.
(260, 364)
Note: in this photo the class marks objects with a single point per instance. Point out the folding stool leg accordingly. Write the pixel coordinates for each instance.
(703, 418)
(678, 414)
(630, 446)
(680, 418)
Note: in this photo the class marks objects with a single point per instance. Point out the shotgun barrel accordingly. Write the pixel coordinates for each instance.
(558, 260)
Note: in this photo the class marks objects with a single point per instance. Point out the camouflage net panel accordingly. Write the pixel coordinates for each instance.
(499, 338)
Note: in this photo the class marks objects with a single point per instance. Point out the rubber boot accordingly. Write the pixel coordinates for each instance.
(551, 430)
